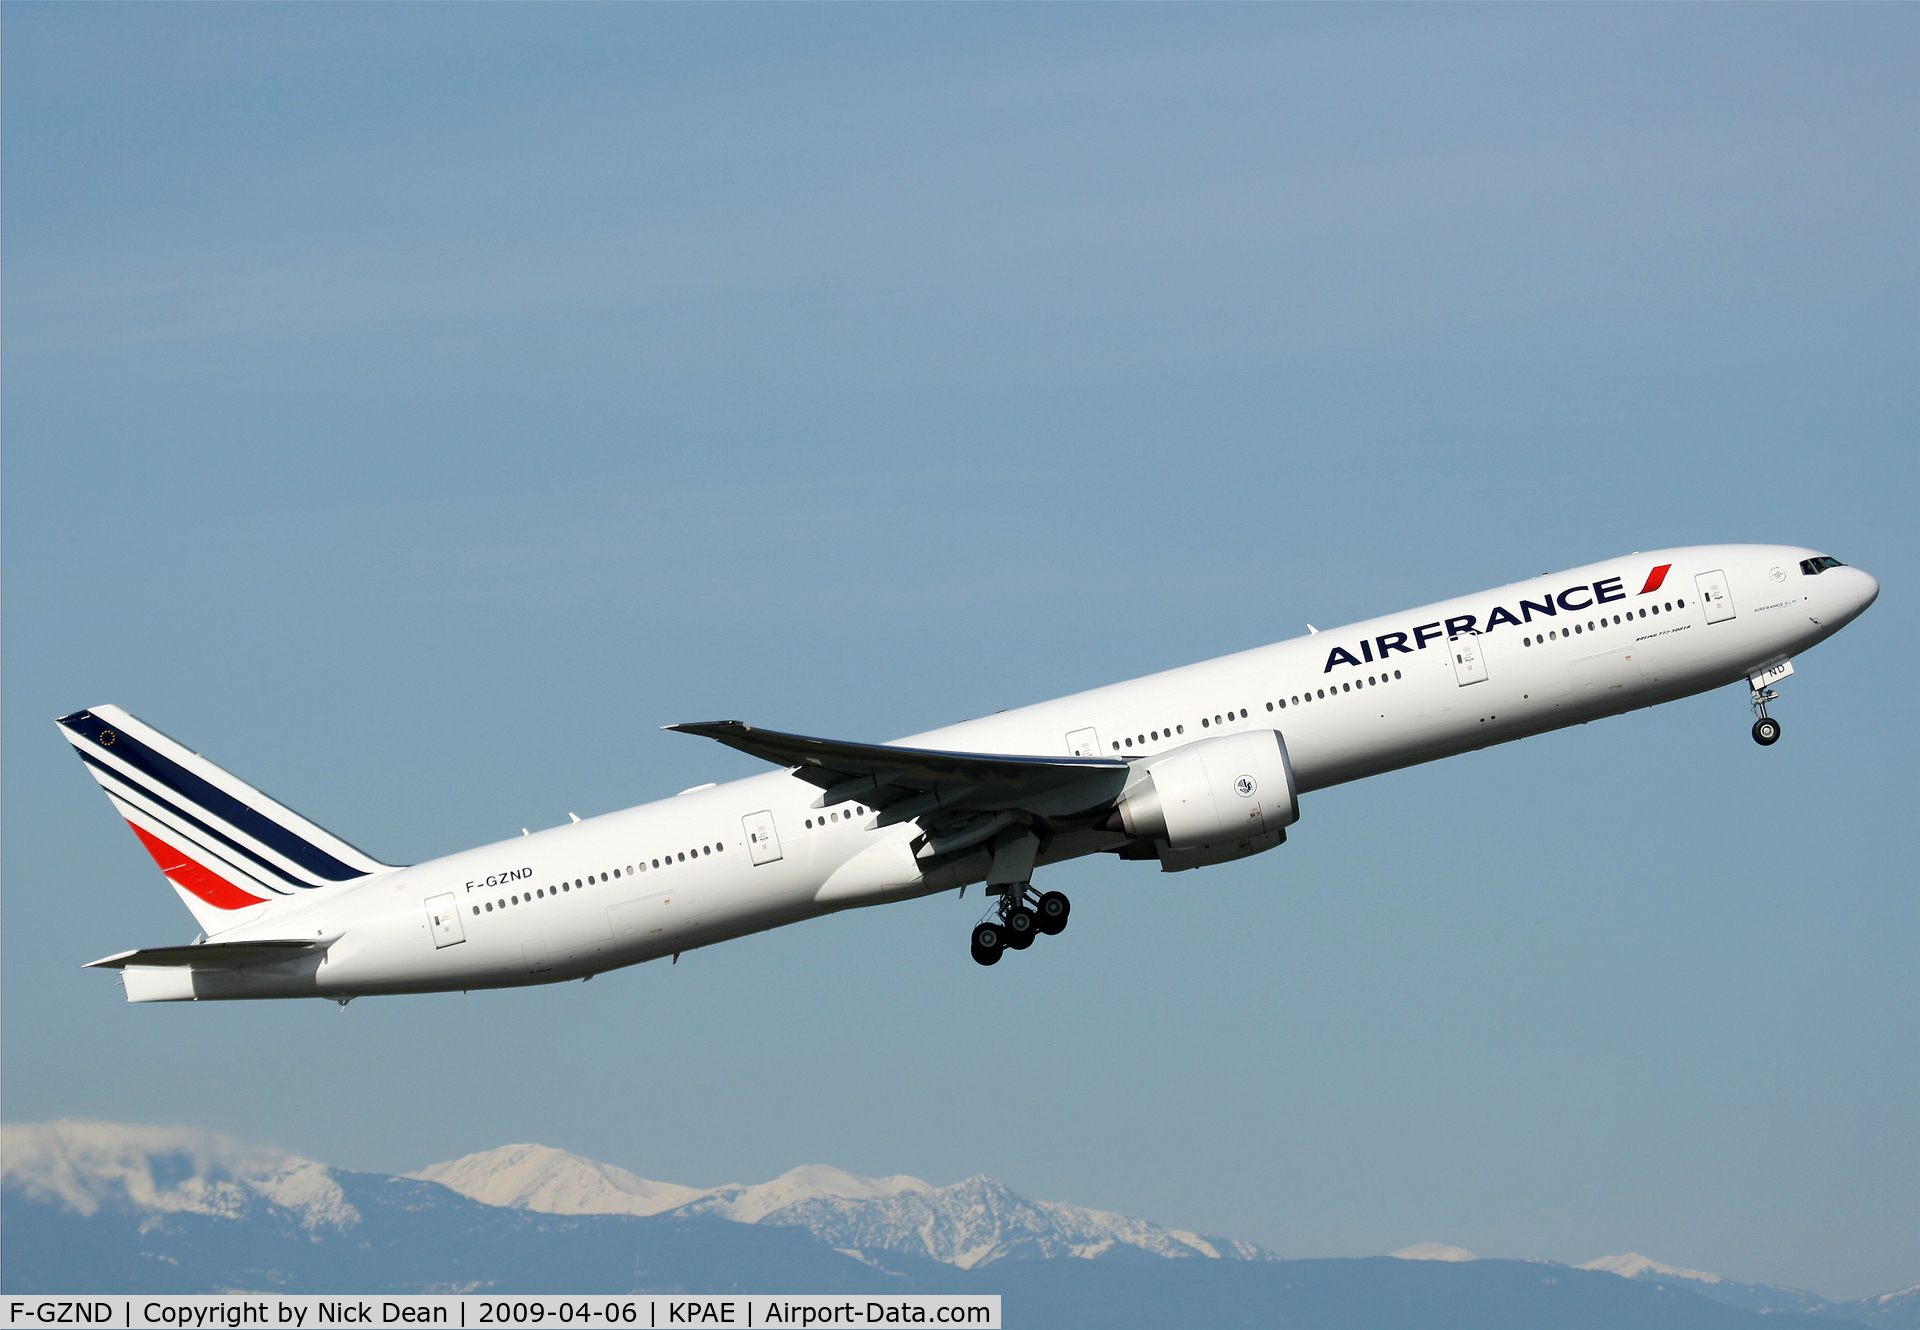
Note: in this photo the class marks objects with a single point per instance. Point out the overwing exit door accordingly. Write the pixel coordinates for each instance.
(763, 842)
(1083, 743)
(1468, 664)
(1714, 596)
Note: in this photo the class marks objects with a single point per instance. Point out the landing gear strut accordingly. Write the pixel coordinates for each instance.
(1766, 730)
(1016, 920)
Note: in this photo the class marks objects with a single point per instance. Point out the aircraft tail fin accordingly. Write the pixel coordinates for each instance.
(233, 854)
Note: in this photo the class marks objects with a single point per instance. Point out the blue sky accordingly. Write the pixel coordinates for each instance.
(412, 408)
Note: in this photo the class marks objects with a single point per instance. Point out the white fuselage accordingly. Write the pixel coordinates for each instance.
(676, 874)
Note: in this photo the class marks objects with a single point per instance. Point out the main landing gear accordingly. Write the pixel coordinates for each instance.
(1766, 730)
(1017, 920)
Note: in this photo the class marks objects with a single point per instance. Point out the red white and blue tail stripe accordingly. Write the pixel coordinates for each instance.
(232, 854)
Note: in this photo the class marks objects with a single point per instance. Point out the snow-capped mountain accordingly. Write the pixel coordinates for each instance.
(1899, 1308)
(980, 1221)
(1890, 1309)
(809, 1182)
(536, 1177)
(1755, 1297)
(134, 1209)
(968, 1224)
(108, 1208)
(1433, 1251)
(1632, 1265)
(91, 1166)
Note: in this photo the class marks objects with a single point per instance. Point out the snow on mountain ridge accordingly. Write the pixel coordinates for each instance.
(981, 1220)
(549, 1181)
(1433, 1251)
(967, 1224)
(88, 1166)
(809, 1182)
(1633, 1263)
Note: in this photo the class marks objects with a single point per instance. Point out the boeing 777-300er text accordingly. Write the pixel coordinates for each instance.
(1192, 767)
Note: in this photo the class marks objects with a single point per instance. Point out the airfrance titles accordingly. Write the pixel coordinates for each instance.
(1573, 600)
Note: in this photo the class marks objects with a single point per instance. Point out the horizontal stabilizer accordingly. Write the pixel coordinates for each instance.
(212, 953)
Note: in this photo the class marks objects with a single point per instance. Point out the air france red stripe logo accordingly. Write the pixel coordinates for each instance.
(202, 881)
(1655, 578)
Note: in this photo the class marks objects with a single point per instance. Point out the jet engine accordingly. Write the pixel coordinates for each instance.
(1231, 787)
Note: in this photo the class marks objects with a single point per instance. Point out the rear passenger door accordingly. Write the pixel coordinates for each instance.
(443, 920)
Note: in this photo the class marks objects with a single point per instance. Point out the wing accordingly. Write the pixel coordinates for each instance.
(952, 795)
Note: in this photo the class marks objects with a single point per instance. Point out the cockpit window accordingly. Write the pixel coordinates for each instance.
(1812, 567)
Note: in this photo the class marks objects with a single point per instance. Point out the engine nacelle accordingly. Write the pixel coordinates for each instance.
(1227, 788)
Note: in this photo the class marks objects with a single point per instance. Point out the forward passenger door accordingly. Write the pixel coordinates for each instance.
(1714, 596)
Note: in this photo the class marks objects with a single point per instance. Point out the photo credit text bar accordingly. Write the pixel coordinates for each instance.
(248, 1311)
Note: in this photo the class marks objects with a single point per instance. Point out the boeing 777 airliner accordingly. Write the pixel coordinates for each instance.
(1192, 767)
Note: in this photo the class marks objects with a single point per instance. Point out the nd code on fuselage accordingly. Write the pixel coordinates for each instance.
(1191, 767)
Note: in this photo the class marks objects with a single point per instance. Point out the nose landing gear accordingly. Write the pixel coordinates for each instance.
(1014, 923)
(1766, 730)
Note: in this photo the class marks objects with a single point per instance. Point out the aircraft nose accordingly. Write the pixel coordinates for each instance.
(1869, 589)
